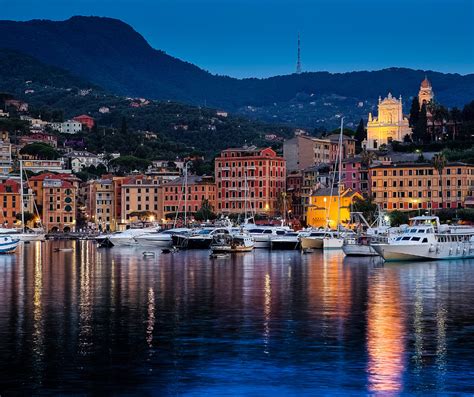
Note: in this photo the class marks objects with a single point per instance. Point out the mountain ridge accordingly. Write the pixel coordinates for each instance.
(111, 54)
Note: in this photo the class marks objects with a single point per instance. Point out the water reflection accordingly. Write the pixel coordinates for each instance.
(385, 333)
(263, 322)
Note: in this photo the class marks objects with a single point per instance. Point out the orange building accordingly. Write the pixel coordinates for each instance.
(252, 175)
(139, 193)
(408, 186)
(11, 202)
(199, 188)
(85, 120)
(56, 196)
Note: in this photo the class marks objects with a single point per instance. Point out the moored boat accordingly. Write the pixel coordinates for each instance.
(8, 244)
(288, 241)
(427, 239)
(234, 242)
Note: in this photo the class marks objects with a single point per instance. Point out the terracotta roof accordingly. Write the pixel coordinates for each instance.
(14, 186)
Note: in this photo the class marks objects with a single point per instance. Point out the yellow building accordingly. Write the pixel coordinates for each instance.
(425, 95)
(323, 208)
(390, 125)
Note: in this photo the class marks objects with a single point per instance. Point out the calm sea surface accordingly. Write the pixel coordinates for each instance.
(109, 321)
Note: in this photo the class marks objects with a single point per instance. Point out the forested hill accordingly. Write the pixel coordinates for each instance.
(111, 54)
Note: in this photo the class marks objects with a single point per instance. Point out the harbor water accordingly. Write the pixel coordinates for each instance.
(113, 321)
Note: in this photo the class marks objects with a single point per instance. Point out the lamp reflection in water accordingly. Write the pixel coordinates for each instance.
(150, 324)
(267, 311)
(85, 304)
(385, 333)
(38, 336)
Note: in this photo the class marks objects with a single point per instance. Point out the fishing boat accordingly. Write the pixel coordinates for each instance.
(361, 243)
(427, 239)
(8, 244)
(240, 241)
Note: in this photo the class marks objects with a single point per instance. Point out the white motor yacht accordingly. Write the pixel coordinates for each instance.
(287, 241)
(128, 237)
(198, 238)
(264, 234)
(427, 239)
(162, 238)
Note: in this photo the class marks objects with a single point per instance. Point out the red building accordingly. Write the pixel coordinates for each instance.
(249, 175)
(199, 188)
(39, 138)
(85, 120)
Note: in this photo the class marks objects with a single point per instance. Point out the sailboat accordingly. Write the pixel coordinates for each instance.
(23, 234)
(336, 240)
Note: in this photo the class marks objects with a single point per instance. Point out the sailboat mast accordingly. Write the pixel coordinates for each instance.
(21, 198)
(185, 192)
(339, 174)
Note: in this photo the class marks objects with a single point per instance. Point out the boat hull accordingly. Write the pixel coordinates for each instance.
(421, 252)
(333, 243)
(311, 243)
(285, 245)
(32, 237)
(359, 250)
(8, 245)
(154, 242)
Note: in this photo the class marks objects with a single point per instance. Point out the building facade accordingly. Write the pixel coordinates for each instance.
(411, 186)
(59, 205)
(139, 194)
(199, 188)
(100, 204)
(304, 151)
(249, 180)
(390, 125)
(323, 210)
(6, 163)
(67, 127)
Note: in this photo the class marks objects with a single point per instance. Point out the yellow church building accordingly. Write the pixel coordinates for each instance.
(390, 125)
(323, 208)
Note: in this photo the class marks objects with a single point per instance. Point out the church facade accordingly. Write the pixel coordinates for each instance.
(390, 124)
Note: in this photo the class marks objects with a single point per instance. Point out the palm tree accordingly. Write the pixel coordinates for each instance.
(439, 163)
(367, 158)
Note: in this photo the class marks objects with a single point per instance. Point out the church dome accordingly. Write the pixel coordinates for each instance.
(425, 83)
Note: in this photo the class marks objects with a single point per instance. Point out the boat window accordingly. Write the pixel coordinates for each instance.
(421, 230)
(398, 239)
(255, 231)
(405, 238)
(412, 230)
(415, 238)
(425, 240)
(280, 232)
(268, 232)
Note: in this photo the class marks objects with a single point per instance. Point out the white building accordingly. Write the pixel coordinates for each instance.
(67, 127)
(79, 160)
(5, 157)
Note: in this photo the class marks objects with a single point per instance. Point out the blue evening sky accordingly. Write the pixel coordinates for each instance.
(245, 38)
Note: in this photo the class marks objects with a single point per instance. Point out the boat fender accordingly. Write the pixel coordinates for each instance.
(458, 249)
(437, 248)
(432, 248)
(450, 250)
